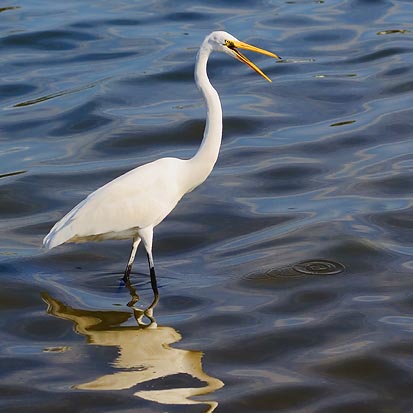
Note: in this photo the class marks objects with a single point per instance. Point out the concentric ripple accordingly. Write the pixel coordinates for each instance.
(319, 267)
(311, 267)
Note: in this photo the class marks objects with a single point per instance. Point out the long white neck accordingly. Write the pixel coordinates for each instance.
(204, 160)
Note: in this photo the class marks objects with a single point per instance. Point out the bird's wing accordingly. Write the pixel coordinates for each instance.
(140, 198)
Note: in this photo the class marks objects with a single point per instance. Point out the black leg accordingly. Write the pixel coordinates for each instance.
(149, 310)
(128, 269)
(153, 282)
(127, 274)
(139, 314)
(153, 279)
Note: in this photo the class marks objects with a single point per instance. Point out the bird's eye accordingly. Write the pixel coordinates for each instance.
(229, 44)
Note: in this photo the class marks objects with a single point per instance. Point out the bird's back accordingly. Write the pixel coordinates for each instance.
(140, 198)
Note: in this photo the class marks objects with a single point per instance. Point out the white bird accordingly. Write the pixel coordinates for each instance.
(133, 204)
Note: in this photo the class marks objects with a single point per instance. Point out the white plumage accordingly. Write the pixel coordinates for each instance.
(131, 205)
(142, 199)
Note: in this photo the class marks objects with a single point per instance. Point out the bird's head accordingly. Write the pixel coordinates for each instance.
(224, 42)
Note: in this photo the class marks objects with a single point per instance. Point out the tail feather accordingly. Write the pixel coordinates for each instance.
(54, 238)
(63, 230)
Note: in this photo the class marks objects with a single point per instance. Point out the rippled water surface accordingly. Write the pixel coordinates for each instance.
(286, 279)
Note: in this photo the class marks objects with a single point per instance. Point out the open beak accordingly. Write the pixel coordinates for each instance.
(235, 45)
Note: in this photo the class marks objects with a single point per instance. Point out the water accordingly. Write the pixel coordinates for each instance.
(285, 279)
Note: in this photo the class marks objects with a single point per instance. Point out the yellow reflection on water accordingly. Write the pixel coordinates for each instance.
(145, 353)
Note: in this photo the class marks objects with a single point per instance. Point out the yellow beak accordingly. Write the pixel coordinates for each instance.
(235, 45)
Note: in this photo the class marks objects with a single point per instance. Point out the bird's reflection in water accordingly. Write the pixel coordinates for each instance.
(145, 352)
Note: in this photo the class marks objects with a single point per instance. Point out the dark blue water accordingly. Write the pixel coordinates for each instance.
(285, 280)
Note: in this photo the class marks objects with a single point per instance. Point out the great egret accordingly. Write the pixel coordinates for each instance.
(131, 205)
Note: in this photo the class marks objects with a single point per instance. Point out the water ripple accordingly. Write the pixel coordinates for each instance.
(286, 276)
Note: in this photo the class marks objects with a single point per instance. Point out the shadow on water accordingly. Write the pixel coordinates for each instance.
(145, 356)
